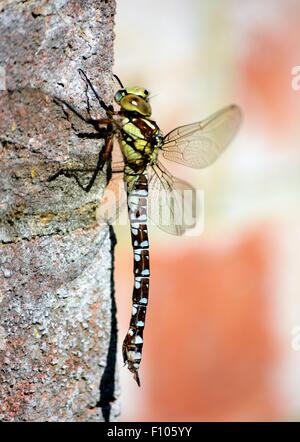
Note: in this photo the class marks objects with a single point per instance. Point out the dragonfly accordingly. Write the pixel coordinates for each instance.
(148, 183)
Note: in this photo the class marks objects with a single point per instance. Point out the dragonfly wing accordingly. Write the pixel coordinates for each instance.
(172, 201)
(113, 202)
(199, 144)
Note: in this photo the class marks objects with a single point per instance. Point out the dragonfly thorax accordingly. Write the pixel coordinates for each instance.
(134, 100)
(140, 140)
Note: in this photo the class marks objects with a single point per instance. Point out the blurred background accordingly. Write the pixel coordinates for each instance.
(222, 337)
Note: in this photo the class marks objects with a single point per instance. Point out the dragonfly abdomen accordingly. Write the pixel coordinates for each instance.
(137, 209)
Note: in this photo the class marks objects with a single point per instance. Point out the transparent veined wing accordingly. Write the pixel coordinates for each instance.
(172, 201)
(199, 144)
(112, 207)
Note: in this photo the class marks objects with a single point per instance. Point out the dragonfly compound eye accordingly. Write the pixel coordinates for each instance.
(134, 103)
(139, 91)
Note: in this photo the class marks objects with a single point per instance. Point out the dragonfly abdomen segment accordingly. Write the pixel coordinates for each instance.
(137, 209)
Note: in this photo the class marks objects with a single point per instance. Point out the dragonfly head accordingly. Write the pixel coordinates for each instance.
(135, 100)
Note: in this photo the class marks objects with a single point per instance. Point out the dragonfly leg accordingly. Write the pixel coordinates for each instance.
(92, 135)
(103, 157)
(101, 132)
(108, 109)
(72, 174)
(95, 122)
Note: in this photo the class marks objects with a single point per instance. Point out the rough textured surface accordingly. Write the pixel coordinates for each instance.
(57, 325)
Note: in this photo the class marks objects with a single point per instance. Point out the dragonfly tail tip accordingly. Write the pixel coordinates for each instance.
(136, 377)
